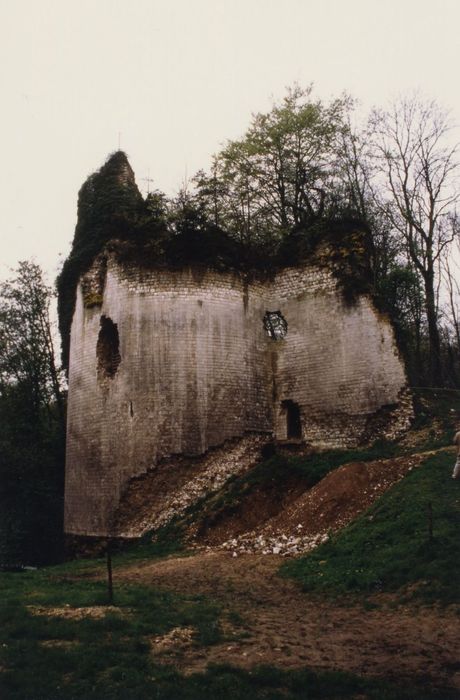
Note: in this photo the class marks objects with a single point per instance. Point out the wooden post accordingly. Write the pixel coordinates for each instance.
(430, 521)
(109, 571)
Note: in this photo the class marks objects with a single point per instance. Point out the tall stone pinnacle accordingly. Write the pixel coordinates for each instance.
(119, 165)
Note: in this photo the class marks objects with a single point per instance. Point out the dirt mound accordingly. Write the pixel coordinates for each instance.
(303, 520)
(342, 495)
(250, 511)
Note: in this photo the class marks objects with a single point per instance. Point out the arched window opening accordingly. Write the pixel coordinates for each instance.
(293, 422)
(108, 349)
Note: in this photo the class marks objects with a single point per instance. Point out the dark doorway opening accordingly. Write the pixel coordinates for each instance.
(293, 423)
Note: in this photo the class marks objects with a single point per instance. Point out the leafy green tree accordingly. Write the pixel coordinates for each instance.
(281, 174)
(401, 294)
(27, 356)
(357, 196)
(31, 423)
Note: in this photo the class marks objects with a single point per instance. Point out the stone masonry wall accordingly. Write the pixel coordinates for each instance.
(192, 374)
(339, 363)
(168, 363)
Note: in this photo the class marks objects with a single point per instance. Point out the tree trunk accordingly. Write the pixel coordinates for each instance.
(433, 331)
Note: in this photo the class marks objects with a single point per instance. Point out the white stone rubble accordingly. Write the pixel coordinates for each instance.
(285, 545)
(219, 466)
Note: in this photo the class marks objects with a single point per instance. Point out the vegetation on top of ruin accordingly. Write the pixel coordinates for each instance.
(109, 204)
(115, 219)
(382, 198)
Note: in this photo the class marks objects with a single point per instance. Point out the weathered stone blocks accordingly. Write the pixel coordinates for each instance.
(195, 367)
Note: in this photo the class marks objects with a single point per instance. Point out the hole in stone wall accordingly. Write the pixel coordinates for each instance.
(275, 324)
(108, 348)
(293, 422)
(268, 451)
(131, 410)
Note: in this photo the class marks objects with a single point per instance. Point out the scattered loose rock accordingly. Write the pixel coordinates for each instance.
(66, 612)
(169, 488)
(177, 638)
(332, 504)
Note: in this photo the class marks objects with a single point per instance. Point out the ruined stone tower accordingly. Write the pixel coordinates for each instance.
(168, 365)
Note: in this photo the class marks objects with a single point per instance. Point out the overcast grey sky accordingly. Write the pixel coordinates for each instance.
(177, 78)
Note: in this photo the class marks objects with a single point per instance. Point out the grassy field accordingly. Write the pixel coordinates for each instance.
(51, 657)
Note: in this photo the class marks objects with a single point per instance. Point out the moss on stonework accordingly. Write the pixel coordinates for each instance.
(92, 300)
(109, 206)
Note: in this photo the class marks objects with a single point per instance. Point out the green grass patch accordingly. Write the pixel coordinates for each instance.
(440, 409)
(389, 547)
(45, 657)
(165, 542)
(316, 467)
(269, 683)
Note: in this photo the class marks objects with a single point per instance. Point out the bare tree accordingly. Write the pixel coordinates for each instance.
(419, 166)
(358, 195)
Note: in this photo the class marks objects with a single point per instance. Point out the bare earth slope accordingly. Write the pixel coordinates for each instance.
(306, 518)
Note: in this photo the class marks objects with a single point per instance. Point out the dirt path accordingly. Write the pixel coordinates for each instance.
(281, 626)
